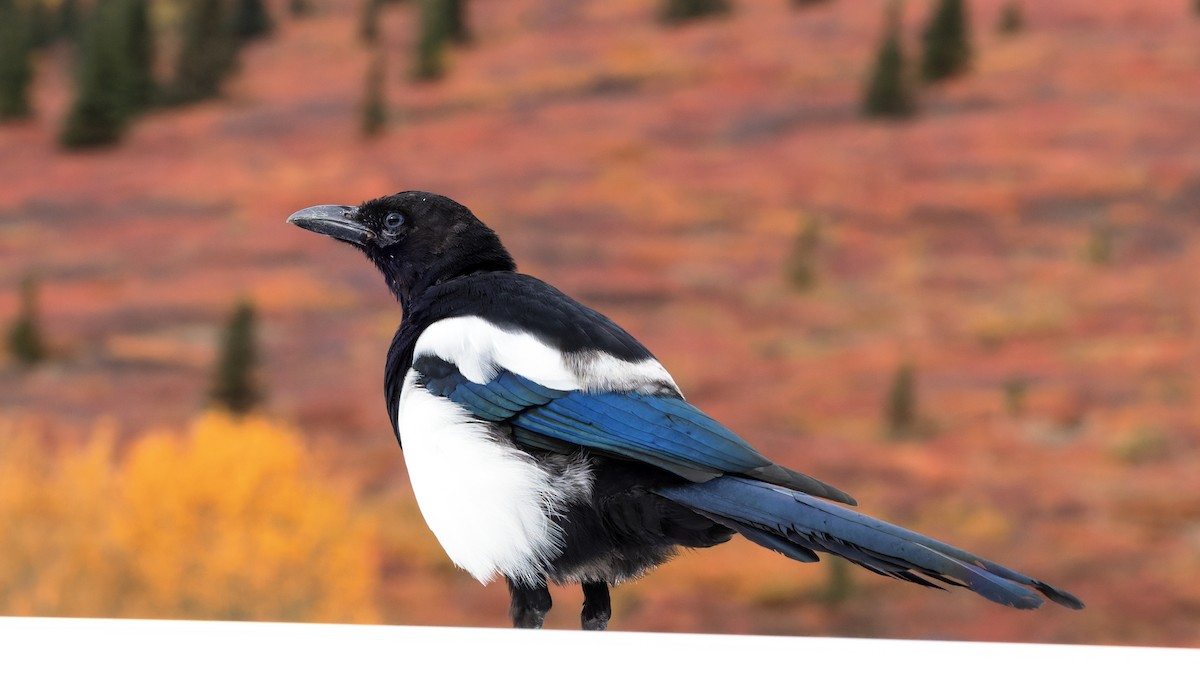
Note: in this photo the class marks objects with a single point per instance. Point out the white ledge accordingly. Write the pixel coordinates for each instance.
(125, 646)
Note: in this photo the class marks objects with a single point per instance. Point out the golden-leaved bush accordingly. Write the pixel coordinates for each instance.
(227, 521)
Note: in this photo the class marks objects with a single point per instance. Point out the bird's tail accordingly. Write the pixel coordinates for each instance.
(799, 525)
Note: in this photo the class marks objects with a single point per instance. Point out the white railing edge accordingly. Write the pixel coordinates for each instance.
(46, 645)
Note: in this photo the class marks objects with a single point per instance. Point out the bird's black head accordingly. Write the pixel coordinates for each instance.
(417, 239)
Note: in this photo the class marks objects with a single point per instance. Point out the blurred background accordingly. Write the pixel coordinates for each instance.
(940, 254)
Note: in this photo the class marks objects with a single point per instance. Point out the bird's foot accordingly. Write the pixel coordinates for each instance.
(597, 606)
(595, 622)
(528, 604)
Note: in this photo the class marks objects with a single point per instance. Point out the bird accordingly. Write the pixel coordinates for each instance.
(546, 445)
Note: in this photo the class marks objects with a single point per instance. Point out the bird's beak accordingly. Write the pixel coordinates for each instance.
(339, 222)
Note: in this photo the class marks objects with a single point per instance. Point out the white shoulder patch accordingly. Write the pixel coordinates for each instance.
(480, 349)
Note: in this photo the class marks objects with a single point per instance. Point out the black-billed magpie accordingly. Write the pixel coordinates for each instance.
(544, 443)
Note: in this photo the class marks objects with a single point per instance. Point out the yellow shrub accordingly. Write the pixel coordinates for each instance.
(228, 522)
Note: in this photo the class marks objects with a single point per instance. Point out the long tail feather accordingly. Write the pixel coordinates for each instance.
(796, 525)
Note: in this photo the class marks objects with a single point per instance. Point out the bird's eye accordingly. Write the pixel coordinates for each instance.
(394, 220)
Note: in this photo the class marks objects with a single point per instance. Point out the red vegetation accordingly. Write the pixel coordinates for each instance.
(661, 176)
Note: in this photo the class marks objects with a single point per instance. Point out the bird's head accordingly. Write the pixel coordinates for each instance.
(417, 239)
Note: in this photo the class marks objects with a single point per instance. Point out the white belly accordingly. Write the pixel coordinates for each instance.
(488, 503)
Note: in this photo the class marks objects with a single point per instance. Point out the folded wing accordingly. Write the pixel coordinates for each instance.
(660, 430)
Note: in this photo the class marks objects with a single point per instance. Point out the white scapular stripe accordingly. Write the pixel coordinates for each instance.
(487, 502)
(480, 349)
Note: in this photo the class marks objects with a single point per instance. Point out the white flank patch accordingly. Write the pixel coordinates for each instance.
(487, 502)
(480, 349)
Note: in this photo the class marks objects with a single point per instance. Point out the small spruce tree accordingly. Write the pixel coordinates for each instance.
(251, 20)
(208, 52)
(368, 23)
(456, 22)
(301, 8)
(947, 42)
(139, 48)
(680, 11)
(900, 411)
(431, 43)
(802, 264)
(374, 107)
(42, 25)
(98, 115)
(16, 61)
(1011, 20)
(1015, 389)
(25, 340)
(70, 19)
(889, 91)
(115, 74)
(234, 385)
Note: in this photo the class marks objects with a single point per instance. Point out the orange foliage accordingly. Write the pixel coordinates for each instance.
(229, 521)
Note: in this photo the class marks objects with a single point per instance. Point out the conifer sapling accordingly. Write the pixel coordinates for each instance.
(235, 387)
(889, 90)
(25, 340)
(947, 42)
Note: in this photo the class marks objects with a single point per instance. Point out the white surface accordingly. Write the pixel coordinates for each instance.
(110, 646)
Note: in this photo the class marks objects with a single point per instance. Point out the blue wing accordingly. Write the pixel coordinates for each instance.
(662, 431)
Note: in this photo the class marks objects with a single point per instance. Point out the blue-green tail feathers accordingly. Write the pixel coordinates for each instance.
(799, 526)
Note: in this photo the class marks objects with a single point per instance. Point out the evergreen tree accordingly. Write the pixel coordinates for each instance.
(234, 385)
(301, 8)
(889, 91)
(1015, 389)
(679, 11)
(251, 20)
(802, 265)
(901, 409)
(374, 107)
(431, 43)
(208, 52)
(368, 25)
(16, 61)
(808, 3)
(947, 42)
(101, 107)
(138, 41)
(115, 74)
(456, 21)
(25, 341)
(70, 19)
(1011, 20)
(42, 25)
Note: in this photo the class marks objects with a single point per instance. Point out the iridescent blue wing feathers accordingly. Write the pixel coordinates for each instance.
(785, 520)
(662, 431)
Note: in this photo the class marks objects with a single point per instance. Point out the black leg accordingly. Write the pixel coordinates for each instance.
(529, 603)
(597, 607)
